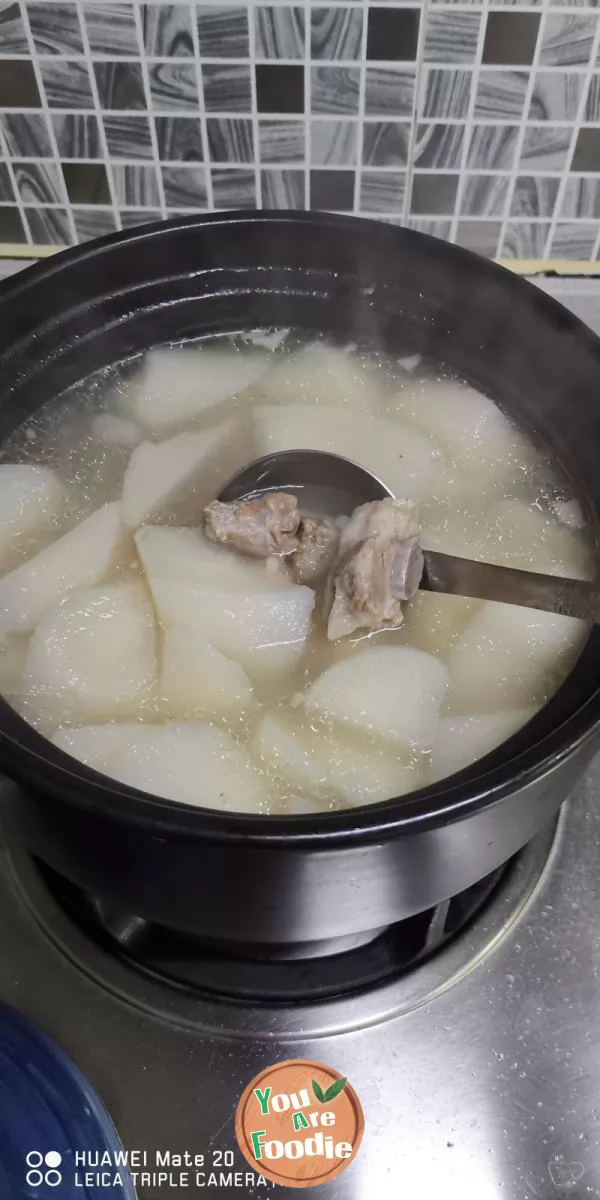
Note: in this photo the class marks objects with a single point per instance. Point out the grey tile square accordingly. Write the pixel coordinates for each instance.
(336, 33)
(439, 146)
(282, 188)
(501, 94)
(13, 38)
(510, 38)
(451, 36)
(335, 90)
(7, 193)
(132, 217)
(55, 28)
(586, 155)
(281, 141)
(279, 88)
(184, 187)
(86, 183)
(223, 31)
(545, 148)
(230, 139)
(233, 189)
(66, 84)
(555, 96)
(484, 195)
(385, 143)
(573, 240)
(444, 93)
(534, 196)
(382, 191)
(592, 101)
(438, 229)
(482, 237)
(389, 91)
(332, 190)
(524, 239)
(167, 30)
(120, 85)
(493, 147)
(333, 143)
(279, 31)
(433, 194)
(227, 88)
(135, 186)
(39, 183)
(93, 223)
(174, 86)
(179, 139)
(392, 34)
(11, 226)
(111, 28)
(49, 226)
(18, 87)
(568, 39)
(77, 135)
(581, 197)
(128, 135)
(26, 135)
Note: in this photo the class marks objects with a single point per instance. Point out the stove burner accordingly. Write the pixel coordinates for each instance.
(313, 972)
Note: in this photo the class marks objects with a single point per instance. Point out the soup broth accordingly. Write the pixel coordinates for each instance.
(206, 677)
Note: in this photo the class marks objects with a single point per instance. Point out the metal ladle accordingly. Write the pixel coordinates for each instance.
(332, 486)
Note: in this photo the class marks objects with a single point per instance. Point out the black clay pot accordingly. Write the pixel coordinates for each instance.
(254, 879)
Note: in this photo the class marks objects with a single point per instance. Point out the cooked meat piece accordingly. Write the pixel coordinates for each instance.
(379, 566)
(318, 542)
(261, 527)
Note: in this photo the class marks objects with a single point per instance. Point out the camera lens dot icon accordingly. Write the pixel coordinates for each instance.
(36, 1162)
(53, 1158)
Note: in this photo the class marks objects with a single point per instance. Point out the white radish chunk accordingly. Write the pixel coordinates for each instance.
(332, 770)
(93, 657)
(395, 692)
(434, 622)
(400, 456)
(321, 374)
(13, 652)
(192, 764)
(510, 657)
(455, 530)
(117, 431)
(175, 385)
(460, 741)
(525, 536)
(161, 475)
(249, 614)
(95, 745)
(471, 429)
(81, 558)
(196, 678)
(31, 500)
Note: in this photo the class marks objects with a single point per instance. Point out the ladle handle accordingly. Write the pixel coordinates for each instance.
(508, 585)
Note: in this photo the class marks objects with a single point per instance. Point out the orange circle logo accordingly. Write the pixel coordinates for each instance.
(299, 1123)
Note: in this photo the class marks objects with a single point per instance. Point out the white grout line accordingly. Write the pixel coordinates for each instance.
(150, 113)
(47, 115)
(98, 111)
(254, 106)
(469, 123)
(414, 119)
(308, 116)
(362, 88)
(203, 125)
(577, 123)
(17, 201)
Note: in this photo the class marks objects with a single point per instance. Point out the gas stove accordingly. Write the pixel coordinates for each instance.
(470, 1039)
(468, 1032)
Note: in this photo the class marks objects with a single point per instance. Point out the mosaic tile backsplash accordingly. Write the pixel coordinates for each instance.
(478, 122)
